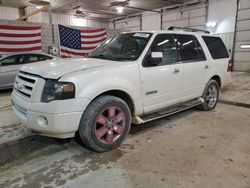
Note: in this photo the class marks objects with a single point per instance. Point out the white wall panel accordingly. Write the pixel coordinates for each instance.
(243, 14)
(131, 24)
(242, 56)
(244, 4)
(74, 21)
(8, 13)
(191, 16)
(243, 25)
(223, 12)
(151, 21)
(242, 36)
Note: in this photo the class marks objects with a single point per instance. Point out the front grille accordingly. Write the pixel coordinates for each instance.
(24, 83)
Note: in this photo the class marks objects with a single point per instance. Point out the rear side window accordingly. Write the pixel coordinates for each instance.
(216, 47)
(190, 48)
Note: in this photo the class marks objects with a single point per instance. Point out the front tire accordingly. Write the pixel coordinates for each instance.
(105, 123)
(210, 96)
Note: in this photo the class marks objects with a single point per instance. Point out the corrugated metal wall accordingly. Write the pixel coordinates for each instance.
(9, 13)
(131, 24)
(75, 21)
(190, 16)
(242, 55)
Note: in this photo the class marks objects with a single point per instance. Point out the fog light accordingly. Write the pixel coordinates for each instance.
(42, 121)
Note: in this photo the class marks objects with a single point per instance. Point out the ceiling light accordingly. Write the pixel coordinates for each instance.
(245, 46)
(119, 9)
(39, 6)
(211, 24)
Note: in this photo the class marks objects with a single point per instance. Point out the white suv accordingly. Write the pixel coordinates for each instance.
(134, 77)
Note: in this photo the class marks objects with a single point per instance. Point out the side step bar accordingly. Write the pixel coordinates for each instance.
(166, 111)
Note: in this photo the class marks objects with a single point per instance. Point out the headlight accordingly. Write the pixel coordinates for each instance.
(55, 90)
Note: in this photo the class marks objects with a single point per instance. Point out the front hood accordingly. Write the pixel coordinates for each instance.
(54, 69)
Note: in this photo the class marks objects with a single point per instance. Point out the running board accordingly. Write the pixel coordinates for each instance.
(167, 111)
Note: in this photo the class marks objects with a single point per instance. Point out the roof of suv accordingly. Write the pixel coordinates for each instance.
(172, 32)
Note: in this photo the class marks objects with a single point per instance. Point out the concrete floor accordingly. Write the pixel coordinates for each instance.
(189, 149)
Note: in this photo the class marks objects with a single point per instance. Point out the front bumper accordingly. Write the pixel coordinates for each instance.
(58, 119)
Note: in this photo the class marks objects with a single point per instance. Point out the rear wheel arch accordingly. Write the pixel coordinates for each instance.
(217, 79)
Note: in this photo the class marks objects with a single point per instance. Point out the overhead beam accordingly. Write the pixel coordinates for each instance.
(44, 8)
(143, 9)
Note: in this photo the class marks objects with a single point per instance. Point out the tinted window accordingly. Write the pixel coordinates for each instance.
(190, 48)
(124, 47)
(44, 57)
(10, 60)
(33, 58)
(216, 47)
(163, 43)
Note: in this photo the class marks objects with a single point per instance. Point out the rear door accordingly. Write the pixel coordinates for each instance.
(161, 84)
(195, 66)
(8, 70)
(220, 57)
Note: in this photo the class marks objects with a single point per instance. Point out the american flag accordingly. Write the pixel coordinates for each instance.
(76, 42)
(14, 39)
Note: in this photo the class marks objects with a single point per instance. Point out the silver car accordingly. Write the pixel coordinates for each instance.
(9, 65)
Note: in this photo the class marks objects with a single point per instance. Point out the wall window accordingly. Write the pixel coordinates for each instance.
(216, 47)
(190, 48)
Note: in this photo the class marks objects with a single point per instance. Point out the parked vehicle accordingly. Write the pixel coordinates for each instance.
(134, 77)
(10, 63)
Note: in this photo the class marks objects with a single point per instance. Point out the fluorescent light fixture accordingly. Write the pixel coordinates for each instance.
(187, 43)
(211, 24)
(163, 42)
(245, 46)
(119, 9)
(39, 6)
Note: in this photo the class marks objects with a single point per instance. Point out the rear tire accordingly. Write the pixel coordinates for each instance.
(105, 123)
(210, 96)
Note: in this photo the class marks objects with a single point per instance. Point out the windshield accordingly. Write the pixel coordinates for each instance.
(124, 47)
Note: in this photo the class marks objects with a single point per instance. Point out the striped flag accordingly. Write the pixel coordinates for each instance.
(15, 39)
(78, 43)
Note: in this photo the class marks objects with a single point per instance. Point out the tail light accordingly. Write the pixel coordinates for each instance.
(230, 66)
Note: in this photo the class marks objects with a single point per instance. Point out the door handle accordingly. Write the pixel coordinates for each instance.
(176, 70)
(206, 66)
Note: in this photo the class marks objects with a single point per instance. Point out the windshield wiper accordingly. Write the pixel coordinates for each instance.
(101, 56)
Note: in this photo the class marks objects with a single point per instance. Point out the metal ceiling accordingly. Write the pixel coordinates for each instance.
(96, 8)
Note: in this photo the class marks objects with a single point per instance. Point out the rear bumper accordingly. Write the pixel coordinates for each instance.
(60, 124)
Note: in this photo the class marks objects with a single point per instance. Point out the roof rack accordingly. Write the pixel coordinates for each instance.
(188, 29)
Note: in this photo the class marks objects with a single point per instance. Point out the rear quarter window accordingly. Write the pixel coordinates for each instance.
(216, 47)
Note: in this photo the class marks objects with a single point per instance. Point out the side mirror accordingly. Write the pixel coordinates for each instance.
(156, 57)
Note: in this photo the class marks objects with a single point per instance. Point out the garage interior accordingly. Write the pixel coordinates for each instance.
(189, 149)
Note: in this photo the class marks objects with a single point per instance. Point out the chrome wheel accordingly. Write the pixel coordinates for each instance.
(110, 125)
(212, 96)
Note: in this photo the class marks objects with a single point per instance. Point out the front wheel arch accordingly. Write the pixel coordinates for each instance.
(123, 96)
